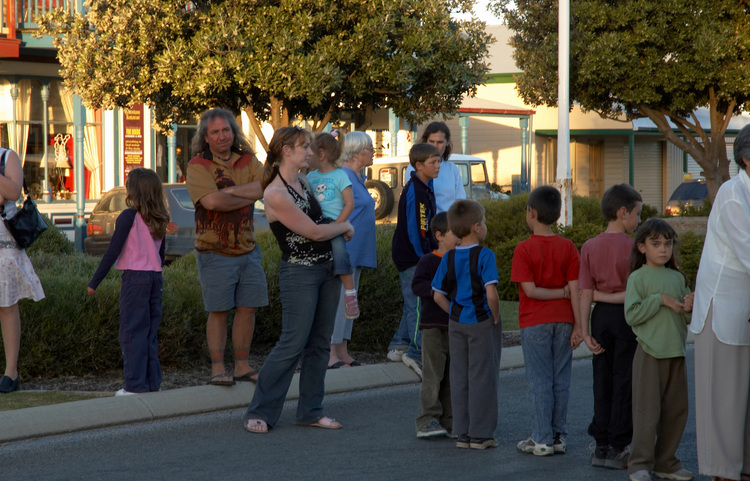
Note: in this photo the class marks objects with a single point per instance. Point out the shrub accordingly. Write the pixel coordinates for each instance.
(71, 333)
(688, 255)
(506, 227)
(52, 241)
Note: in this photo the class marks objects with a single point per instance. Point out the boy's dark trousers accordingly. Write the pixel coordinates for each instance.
(140, 316)
(435, 393)
(613, 373)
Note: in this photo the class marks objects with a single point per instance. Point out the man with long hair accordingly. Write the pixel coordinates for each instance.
(229, 267)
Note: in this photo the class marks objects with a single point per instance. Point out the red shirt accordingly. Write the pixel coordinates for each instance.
(549, 262)
(605, 263)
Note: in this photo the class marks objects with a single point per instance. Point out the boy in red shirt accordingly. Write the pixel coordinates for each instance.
(546, 269)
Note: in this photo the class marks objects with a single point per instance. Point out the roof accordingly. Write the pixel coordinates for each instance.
(476, 105)
(735, 124)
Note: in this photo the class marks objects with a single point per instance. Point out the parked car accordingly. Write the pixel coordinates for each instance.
(690, 193)
(180, 238)
(387, 177)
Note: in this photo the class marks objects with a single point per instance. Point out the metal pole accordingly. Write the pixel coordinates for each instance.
(463, 122)
(524, 160)
(172, 155)
(46, 194)
(393, 128)
(79, 120)
(564, 177)
(14, 135)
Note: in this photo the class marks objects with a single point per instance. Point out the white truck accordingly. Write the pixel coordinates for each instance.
(387, 177)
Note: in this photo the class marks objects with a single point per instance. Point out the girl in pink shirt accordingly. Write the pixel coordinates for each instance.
(137, 249)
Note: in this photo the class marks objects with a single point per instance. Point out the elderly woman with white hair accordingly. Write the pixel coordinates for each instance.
(356, 154)
(720, 322)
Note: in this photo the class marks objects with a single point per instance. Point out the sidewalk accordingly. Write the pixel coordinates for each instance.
(111, 411)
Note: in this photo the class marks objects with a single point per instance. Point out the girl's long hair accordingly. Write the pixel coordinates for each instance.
(652, 229)
(146, 195)
(284, 136)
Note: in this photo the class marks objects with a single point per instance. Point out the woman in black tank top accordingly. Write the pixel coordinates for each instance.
(309, 290)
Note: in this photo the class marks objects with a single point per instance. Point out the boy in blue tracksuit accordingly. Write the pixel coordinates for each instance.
(411, 240)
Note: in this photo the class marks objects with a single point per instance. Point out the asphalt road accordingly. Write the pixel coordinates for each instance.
(377, 443)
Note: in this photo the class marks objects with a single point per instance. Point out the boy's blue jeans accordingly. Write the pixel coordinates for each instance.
(548, 358)
(408, 334)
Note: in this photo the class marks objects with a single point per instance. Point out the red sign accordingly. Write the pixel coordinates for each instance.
(132, 138)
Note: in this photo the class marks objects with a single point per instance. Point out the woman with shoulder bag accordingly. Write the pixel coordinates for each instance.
(17, 277)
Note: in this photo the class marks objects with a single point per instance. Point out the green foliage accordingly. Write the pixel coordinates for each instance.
(649, 211)
(688, 255)
(52, 241)
(276, 60)
(656, 59)
(71, 333)
(506, 227)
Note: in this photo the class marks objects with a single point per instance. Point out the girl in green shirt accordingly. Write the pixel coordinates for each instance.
(657, 306)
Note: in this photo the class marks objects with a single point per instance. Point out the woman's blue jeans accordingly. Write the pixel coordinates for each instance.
(309, 298)
(548, 358)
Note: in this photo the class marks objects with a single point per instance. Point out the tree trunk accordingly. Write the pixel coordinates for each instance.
(708, 151)
(256, 127)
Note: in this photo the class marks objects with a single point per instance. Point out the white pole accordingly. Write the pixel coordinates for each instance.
(564, 178)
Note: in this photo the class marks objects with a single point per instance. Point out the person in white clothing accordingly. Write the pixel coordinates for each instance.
(720, 322)
(448, 185)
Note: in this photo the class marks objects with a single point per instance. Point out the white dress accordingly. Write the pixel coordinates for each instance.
(17, 277)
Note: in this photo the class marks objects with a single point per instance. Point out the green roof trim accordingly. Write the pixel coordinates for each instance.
(502, 78)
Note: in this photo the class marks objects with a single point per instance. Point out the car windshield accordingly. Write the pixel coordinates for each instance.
(690, 190)
(183, 198)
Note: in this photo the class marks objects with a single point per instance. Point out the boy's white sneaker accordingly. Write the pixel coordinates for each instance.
(395, 355)
(413, 364)
(559, 445)
(123, 392)
(532, 447)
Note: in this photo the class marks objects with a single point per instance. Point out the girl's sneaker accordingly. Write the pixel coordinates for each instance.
(641, 475)
(532, 447)
(682, 475)
(123, 392)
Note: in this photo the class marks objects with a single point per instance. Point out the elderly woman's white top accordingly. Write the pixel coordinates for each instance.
(724, 272)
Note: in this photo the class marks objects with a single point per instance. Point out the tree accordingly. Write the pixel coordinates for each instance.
(659, 59)
(275, 59)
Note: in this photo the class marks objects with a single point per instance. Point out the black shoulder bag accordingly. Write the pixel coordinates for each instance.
(27, 224)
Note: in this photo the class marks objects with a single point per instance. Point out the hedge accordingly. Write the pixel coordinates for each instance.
(71, 333)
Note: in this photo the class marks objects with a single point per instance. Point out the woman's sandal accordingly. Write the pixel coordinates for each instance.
(325, 423)
(257, 426)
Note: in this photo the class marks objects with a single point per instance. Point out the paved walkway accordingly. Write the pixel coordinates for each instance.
(111, 411)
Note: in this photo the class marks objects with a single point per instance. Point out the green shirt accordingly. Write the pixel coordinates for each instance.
(660, 331)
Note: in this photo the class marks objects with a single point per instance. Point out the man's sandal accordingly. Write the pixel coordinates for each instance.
(216, 380)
